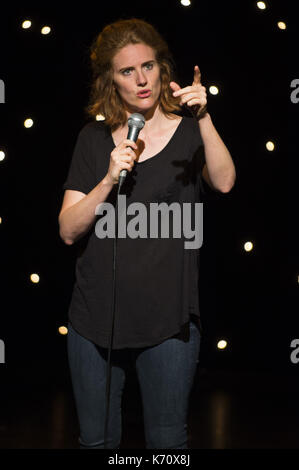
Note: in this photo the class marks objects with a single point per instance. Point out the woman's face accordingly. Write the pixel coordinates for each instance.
(136, 76)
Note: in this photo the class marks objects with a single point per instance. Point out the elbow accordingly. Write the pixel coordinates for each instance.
(229, 184)
(227, 188)
(65, 239)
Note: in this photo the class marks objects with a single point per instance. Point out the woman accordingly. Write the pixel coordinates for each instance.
(157, 311)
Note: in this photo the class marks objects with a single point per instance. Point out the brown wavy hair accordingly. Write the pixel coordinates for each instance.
(104, 98)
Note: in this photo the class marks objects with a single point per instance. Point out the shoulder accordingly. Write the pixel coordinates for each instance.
(172, 120)
(188, 121)
(189, 128)
(94, 129)
(174, 117)
(91, 136)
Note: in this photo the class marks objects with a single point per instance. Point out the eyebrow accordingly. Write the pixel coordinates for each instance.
(131, 67)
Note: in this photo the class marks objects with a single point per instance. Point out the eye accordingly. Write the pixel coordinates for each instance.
(124, 72)
(149, 66)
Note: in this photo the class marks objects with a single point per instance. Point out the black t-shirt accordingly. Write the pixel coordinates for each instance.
(156, 278)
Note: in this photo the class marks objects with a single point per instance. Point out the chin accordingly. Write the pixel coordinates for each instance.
(145, 107)
(141, 106)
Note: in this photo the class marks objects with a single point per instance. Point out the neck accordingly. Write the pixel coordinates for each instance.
(153, 119)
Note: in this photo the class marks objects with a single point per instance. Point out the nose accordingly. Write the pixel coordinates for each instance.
(141, 78)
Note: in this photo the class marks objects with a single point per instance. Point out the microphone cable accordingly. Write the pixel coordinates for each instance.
(108, 373)
(135, 123)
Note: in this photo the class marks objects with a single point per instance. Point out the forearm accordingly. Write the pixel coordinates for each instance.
(76, 221)
(220, 165)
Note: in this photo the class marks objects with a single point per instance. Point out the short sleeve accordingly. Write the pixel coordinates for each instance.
(81, 175)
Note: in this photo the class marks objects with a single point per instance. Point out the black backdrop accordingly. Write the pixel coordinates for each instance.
(250, 299)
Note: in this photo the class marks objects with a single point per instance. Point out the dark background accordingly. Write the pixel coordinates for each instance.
(250, 299)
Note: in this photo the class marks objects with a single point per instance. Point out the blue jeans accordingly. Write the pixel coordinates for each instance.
(165, 374)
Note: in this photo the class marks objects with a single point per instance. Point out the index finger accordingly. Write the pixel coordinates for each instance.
(197, 75)
(129, 143)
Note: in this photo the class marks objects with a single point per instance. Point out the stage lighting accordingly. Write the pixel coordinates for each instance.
(28, 123)
(100, 117)
(2, 155)
(26, 24)
(63, 330)
(270, 146)
(46, 30)
(0, 220)
(222, 344)
(214, 90)
(281, 25)
(248, 246)
(34, 278)
(185, 3)
(261, 5)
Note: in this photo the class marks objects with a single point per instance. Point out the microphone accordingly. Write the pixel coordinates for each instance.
(135, 122)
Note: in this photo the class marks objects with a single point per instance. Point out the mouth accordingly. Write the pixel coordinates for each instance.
(144, 94)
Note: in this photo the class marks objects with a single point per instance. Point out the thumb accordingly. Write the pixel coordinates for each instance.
(174, 86)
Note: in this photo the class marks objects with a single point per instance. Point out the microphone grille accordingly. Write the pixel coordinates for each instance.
(137, 120)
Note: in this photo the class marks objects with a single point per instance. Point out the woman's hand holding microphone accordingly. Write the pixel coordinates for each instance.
(122, 158)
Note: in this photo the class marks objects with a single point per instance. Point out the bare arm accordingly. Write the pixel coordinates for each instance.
(77, 213)
(219, 171)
